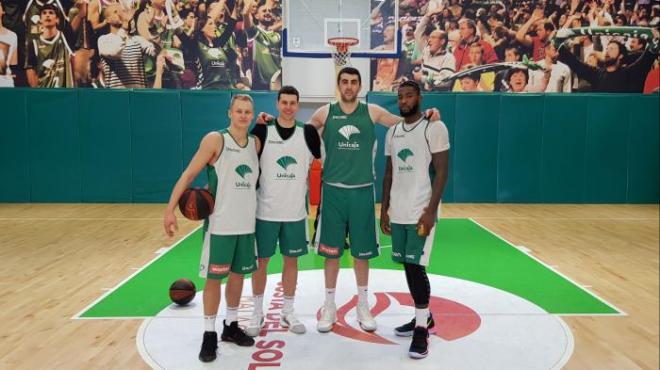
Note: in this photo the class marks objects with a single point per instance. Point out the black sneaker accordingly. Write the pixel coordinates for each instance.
(209, 347)
(419, 348)
(233, 333)
(406, 330)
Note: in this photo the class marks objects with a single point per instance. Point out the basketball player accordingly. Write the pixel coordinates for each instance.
(285, 159)
(410, 202)
(48, 63)
(347, 192)
(230, 159)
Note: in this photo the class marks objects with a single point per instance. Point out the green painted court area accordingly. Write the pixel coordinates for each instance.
(463, 249)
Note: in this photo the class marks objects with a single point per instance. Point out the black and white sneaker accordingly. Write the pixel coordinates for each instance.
(209, 347)
(406, 330)
(234, 333)
(419, 348)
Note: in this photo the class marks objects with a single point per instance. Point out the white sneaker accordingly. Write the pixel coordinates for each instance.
(367, 322)
(328, 318)
(255, 324)
(290, 321)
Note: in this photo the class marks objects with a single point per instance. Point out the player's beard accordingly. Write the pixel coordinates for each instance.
(346, 100)
(409, 112)
(609, 62)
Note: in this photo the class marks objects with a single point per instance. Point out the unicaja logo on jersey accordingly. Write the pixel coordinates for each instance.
(347, 132)
(404, 154)
(285, 162)
(242, 171)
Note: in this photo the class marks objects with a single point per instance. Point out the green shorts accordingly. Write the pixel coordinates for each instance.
(351, 210)
(224, 253)
(292, 237)
(409, 247)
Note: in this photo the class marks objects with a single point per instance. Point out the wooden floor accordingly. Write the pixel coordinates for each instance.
(56, 259)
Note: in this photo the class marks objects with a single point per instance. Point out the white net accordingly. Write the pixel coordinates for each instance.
(342, 51)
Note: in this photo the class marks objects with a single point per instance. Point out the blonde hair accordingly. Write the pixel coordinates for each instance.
(241, 97)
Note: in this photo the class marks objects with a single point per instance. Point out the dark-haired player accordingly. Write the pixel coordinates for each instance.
(410, 203)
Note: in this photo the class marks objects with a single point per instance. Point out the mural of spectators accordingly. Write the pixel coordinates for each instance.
(190, 44)
(525, 29)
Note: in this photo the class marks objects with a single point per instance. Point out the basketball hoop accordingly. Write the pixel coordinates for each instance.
(342, 52)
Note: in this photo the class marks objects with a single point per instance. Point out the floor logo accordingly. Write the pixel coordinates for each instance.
(465, 322)
(477, 327)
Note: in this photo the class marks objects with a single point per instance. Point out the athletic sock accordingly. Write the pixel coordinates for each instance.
(421, 317)
(232, 315)
(329, 295)
(209, 322)
(259, 304)
(362, 295)
(288, 305)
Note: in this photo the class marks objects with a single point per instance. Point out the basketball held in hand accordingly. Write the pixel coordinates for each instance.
(196, 204)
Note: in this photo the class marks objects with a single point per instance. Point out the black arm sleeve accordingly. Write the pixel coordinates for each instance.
(226, 33)
(582, 70)
(313, 141)
(642, 65)
(260, 131)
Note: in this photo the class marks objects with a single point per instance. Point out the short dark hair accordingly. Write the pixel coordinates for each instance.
(349, 71)
(48, 7)
(412, 84)
(513, 71)
(623, 51)
(549, 26)
(288, 90)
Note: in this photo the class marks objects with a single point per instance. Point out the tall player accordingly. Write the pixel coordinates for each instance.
(409, 208)
(347, 192)
(230, 159)
(285, 159)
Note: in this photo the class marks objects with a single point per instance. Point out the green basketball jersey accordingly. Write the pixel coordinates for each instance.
(266, 57)
(53, 58)
(350, 147)
(219, 69)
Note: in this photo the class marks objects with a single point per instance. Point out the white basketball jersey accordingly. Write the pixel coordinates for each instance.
(411, 182)
(282, 193)
(233, 177)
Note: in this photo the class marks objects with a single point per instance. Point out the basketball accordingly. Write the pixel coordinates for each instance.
(196, 204)
(182, 291)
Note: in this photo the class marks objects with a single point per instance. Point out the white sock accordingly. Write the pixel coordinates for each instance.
(362, 295)
(288, 305)
(209, 323)
(232, 315)
(421, 317)
(259, 304)
(329, 295)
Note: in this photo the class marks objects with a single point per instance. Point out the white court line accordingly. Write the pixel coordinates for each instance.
(77, 316)
(621, 312)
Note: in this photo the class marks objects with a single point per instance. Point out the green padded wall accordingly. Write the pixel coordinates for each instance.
(201, 112)
(475, 148)
(131, 146)
(606, 154)
(14, 154)
(562, 158)
(156, 142)
(519, 149)
(643, 164)
(105, 138)
(54, 146)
